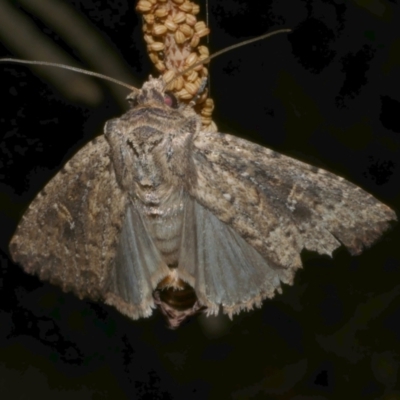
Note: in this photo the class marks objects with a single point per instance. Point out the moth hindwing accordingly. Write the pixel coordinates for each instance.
(157, 203)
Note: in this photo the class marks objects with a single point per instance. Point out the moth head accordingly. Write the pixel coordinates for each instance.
(153, 93)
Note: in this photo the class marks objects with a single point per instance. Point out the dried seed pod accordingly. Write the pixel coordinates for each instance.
(186, 7)
(179, 17)
(210, 103)
(191, 59)
(192, 77)
(191, 88)
(195, 9)
(161, 12)
(179, 37)
(203, 32)
(204, 71)
(159, 30)
(171, 25)
(168, 76)
(144, 6)
(195, 41)
(154, 57)
(205, 112)
(191, 20)
(203, 57)
(149, 18)
(198, 81)
(198, 67)
(171, 86)
(203, 50)
(179, 83)
(160, 66)
(176, 17)
(186, 30)
(183, 94)
(199, 26)
(148, 39)
(156, 46)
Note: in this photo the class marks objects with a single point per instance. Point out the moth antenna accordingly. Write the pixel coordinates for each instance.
(70, 68)
(229, 48)
(132, 88)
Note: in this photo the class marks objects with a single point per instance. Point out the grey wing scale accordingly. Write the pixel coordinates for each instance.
(140, 268)
(221, 266)
(277, 205)
(75, 235)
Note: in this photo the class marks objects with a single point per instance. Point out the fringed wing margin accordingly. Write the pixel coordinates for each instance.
(280, 205)
(221, 266)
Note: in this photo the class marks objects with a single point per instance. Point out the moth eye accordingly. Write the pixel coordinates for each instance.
(132, 101)
(170, 100)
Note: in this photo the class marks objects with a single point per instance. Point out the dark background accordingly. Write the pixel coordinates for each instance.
(327, 94)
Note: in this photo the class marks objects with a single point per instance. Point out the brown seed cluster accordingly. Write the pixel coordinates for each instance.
(173, 34)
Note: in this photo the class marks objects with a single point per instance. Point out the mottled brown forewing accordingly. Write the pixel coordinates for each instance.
(69, 233)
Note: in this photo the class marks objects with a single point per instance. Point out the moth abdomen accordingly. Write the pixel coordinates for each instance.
(180, 298)
(177, 300)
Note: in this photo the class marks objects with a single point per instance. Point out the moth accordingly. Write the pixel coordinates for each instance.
(158, 212)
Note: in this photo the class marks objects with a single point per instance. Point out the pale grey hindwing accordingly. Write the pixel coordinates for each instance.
(221, 266)
(138, 268)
